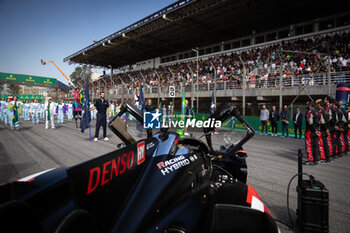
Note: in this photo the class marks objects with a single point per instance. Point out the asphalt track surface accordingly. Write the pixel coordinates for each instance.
(272, 161)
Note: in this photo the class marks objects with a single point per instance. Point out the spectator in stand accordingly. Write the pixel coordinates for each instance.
(298, 123)
(264, 117)
(274, 118)
(285, 116)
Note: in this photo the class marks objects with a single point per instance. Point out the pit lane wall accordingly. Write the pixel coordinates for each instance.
(253, 121)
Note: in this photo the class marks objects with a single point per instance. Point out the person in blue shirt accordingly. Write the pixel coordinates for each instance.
(298, 122)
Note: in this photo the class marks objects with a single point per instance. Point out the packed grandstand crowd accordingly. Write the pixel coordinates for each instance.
(262, 64)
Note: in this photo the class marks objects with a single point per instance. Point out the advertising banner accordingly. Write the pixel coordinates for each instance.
(30, 79)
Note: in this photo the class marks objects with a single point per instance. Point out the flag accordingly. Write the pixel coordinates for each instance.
(183, 105)
(141, 99)
(15, 113)
(81, 96)
(85, 121)
(48, 111)
(212, 105)
(139, 125)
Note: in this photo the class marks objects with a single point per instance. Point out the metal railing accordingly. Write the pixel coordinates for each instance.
(252, 82)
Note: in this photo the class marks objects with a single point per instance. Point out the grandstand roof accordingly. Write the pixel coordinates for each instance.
(186, 24)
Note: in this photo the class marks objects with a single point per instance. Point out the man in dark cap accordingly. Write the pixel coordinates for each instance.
(322, 135)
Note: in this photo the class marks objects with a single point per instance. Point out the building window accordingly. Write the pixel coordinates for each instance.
(259, 39)
(227, 46)
(245, 42)
(207, 50)
(326, 24)
(308, 28)
(299, 30)
(271, 36)
(236, 44)
(283, 34)
(343, 21)
(216, 49)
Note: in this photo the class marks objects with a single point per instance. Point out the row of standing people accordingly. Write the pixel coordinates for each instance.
(34, 111)
(327, 134)
(284, 116)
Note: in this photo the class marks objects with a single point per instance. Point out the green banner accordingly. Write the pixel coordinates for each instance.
(27, 79)
(253, 121)
(25, 97)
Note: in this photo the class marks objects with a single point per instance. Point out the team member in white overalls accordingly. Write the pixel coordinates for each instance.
(93, 112)
(70, 111)
(60, 111)
(26, 108)
(2, 104)
(22, 104)
(50, 112)
(117, 109)
(111, 106)
(42, 111)
(5, 111)
(34, 111)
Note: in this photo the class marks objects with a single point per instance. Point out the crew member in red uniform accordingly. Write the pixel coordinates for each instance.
(322, 135)
(344, 123)
(340, 130)
(329, 128)
(348, 124)
(311, 145)
(333, 121)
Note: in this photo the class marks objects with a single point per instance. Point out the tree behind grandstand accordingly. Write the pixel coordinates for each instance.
(79, 75)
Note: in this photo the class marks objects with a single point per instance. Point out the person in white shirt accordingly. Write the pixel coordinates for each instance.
(50, 110)
(34, 112)
(26, 109)
(70, 111)
(42, 110)
(264, 117)
(60, 111)
(92, 112)
(2, 106)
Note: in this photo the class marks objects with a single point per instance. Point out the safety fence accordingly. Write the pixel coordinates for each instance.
(253, 82)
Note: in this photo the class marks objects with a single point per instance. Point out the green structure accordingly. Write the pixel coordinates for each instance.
(27, 79)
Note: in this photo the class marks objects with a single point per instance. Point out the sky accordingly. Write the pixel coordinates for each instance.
(31, 30)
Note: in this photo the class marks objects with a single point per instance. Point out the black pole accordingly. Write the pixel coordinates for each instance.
(300, 167)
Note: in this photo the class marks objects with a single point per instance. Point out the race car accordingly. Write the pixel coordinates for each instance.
(162, 183)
